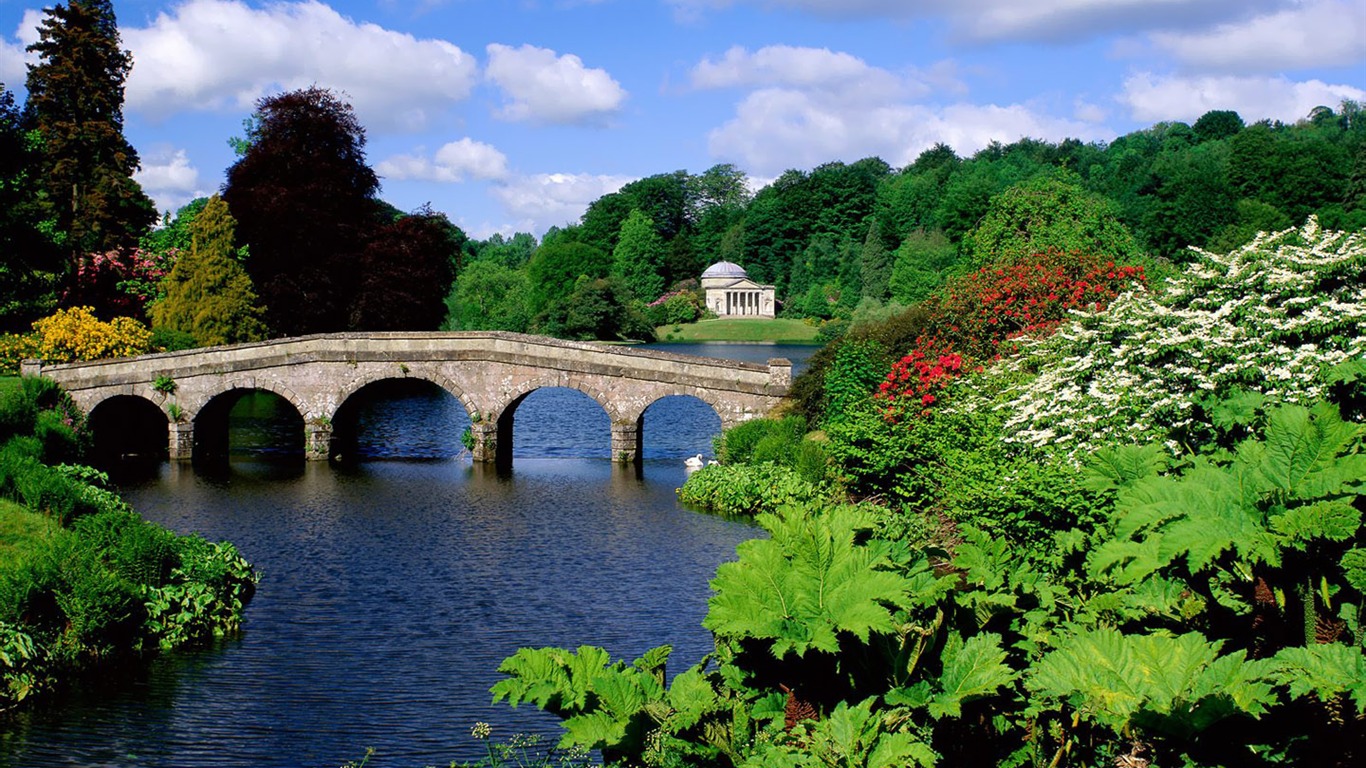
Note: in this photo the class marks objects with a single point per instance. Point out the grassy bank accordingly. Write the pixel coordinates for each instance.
(84, 580)
(737, 329)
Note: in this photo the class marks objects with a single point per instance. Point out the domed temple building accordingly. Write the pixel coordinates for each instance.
(730, 292)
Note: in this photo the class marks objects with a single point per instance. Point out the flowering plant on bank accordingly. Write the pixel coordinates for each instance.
(978, 316)
(1268, 317)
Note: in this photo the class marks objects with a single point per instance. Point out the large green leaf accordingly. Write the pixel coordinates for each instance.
(972, 669)
(1302, 453)
(810, 581)
(1323, 671)
(1121, 466)
(1175, 684)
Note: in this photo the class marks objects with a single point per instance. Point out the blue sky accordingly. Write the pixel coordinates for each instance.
(513, 115)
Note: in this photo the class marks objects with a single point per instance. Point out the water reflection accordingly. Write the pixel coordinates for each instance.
(391, 592)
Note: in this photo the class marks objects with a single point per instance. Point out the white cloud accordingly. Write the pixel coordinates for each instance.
(542, 87)
(224, 54)
(543, 200)
(454, 162)
(775, 129)
(1153, 97)
(168, 178)
(1308, 34)
(1019, 19)
(811, 105)
(784, 65)
(14, 60)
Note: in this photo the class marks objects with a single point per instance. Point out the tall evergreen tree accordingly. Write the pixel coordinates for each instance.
(208, 294)
(75, 92)
(304, 200)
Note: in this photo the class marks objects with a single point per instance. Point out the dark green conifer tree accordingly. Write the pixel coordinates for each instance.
(75, 94)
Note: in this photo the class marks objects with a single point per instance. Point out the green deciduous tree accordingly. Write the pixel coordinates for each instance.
(31, 263)
(1048, 213)
(208, 293)
(638, 259)
(556, 267)
(75, 92)
(921, 263)
(489, 296)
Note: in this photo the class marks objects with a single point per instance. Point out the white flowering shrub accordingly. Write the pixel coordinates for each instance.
(1268, 317)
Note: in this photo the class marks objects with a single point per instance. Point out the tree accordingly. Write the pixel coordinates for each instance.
(512, 253)
(208, 294)
(921, 263)
(1048, 213)
(407, 268)
(75, 92)
(489, 296)
(557, 266)
(1217, 124)
(638, 259)
(304, 200)
(875, 265)
(31, 264)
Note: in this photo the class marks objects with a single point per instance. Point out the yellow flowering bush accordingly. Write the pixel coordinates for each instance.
(76, 334)
(15, 349)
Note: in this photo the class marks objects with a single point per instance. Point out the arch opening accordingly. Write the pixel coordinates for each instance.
(554, 422)
(399, 418)
(248, 423)
(127, 428)
(678, 426)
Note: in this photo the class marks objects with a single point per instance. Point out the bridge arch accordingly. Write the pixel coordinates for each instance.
(422, 373)
(360, 426)
(690, 403)
(498, 430)
(212, 430)
(128, 426)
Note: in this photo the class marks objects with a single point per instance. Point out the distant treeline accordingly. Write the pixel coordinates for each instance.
(845, 233)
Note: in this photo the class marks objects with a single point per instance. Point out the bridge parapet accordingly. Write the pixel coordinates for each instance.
(489, 372)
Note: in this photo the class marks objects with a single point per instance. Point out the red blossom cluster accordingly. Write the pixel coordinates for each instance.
(119, 282)
(976, 315)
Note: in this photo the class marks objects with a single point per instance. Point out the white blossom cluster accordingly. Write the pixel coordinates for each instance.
(1267, 317)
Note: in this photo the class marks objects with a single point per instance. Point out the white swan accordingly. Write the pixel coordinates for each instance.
(693, 462)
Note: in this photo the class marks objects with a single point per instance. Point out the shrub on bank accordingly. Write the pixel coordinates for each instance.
(83, 578)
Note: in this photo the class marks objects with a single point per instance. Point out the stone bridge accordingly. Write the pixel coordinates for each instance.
(490, 373)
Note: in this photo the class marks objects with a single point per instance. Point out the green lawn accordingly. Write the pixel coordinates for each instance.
(736, 329)
(19, 530)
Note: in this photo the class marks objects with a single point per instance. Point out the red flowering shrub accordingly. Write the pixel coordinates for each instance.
(120, 282)
(975, 315)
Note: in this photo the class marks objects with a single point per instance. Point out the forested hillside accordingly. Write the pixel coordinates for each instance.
(842, 234)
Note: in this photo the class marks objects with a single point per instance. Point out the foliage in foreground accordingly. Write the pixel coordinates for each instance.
(84, 580)
(1211, 616)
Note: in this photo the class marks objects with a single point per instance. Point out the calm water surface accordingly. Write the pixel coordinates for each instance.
(394, 585)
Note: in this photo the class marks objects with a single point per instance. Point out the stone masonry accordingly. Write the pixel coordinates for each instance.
(488, 372)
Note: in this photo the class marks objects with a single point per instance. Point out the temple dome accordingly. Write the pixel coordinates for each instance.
(725, 269)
